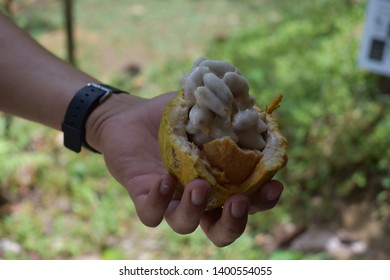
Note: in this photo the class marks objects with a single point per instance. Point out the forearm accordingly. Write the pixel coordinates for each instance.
(34, 84)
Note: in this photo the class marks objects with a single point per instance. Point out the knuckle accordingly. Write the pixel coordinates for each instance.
(149, 219)
(184, 224)
(234, 232)
(223, 243)
(184, 229)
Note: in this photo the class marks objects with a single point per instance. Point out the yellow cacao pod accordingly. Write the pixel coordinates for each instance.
(229, 168)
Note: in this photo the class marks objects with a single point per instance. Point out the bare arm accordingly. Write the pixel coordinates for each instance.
(34, 84)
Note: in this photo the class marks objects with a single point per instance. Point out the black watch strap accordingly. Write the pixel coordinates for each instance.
(80, 107)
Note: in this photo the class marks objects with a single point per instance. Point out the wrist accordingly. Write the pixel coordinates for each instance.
(107, 115)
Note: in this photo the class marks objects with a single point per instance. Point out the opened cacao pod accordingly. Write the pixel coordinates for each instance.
(213, 130)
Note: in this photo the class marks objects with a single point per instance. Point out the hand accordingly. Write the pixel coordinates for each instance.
(125, 130)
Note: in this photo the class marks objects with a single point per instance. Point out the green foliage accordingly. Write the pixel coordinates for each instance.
(332, 113)
(63, 204)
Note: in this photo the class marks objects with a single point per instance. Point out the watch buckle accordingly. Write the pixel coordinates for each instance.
(107, 91)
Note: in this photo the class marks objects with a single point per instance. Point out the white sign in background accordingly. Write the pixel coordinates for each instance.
(375, 46)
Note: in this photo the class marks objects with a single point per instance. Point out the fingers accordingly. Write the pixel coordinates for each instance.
(151, 206)
(267, 197)
(184, 215)
(224, 225)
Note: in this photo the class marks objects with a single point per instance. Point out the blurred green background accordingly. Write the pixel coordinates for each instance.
(55, 204)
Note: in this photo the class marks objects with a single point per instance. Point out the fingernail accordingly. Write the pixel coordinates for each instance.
(198, 197)
(272, 194)
(165, 189)
(239, 209)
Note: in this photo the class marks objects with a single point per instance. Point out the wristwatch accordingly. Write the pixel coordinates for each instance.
(79, 109)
